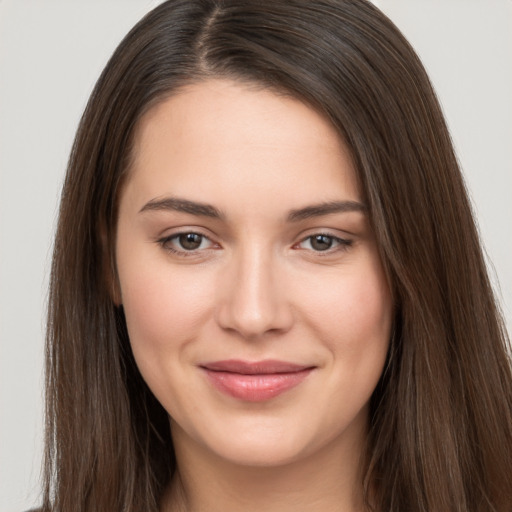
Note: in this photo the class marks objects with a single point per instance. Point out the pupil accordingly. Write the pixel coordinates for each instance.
(190, 241)
(321, 242)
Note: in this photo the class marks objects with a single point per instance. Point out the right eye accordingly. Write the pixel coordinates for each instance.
(185, 243)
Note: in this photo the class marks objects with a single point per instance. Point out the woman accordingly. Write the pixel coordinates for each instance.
(267, 289)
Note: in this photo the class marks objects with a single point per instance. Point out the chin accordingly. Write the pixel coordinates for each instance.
(261, 453)
(267, 441)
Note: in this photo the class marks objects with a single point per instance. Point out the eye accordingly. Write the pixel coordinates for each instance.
(185, 242)
(321, 243)
(190, 241)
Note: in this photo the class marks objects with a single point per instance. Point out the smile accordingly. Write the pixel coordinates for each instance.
(255, 381)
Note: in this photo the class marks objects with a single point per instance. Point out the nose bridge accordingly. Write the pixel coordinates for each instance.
(254, 299)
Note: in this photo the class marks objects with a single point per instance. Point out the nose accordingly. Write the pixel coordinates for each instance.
(253, 298)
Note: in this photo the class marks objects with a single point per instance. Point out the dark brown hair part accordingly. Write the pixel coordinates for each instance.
(441, 416)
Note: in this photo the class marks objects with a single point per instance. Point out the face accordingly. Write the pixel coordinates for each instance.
(256, 303)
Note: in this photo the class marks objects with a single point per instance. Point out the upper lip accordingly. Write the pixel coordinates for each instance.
(268, 366)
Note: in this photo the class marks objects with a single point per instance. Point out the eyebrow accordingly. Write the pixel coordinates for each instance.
(182, 205)
(330, 207)
(207, 210)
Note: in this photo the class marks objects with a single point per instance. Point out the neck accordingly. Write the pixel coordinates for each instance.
(330, 480)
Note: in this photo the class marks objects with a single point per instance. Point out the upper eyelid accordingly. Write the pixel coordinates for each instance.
(332, 232)
(339, 239)
(171, 246)
(179, 233)
(330, 235)
(173, 232)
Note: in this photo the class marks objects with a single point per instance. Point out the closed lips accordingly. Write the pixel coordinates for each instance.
(255, 368)
(255, 381)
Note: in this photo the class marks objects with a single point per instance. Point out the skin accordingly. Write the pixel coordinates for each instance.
(257, 287)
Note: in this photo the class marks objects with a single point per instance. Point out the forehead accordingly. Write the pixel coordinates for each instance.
(220, 135)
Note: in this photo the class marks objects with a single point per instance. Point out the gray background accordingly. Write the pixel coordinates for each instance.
(51, 53)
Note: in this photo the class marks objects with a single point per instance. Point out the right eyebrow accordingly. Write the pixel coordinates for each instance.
(182, 205)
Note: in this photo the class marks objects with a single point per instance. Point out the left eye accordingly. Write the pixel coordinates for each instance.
(322, 243)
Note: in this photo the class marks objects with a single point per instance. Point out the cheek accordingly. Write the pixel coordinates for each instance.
(352, 303)
(163, 309)
(352, 313)
(368, 310)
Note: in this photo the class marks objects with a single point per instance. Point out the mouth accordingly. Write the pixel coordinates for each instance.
(255, 381)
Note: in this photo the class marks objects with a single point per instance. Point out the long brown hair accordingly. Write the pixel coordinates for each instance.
(441, 417)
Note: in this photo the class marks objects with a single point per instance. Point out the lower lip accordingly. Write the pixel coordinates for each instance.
(256, 388)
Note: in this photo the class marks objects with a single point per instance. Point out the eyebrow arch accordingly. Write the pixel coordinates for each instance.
(182, 205)
(327, 208)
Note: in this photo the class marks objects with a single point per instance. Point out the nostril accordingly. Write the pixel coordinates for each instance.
(252, 320)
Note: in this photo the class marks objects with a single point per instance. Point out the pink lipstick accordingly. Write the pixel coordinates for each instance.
(255, 381)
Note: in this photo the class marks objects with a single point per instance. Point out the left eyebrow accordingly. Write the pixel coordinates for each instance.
(327, 208)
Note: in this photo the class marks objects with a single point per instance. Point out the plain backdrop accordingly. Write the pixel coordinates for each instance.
(51, 53)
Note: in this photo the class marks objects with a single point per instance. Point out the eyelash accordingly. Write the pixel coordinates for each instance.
(342, 244)
(166, 241)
